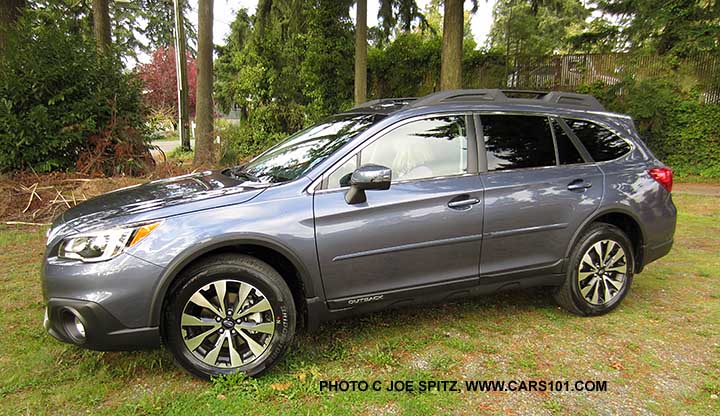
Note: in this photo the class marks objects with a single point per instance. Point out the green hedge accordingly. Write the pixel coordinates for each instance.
(679, 129)
(691, 142)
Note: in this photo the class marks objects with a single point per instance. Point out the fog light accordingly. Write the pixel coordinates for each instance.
(74, 326)
(79, 327)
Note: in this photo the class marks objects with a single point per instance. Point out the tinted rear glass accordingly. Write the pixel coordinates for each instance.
(567, 152)
(601, 143)
(517, 142)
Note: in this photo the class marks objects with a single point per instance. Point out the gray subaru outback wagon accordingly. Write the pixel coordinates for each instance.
(395, 202)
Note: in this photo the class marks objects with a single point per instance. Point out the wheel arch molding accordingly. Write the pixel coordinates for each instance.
(241, 244)
(632, 228)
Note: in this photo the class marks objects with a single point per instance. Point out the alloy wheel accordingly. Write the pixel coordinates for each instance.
(227, 323)
(602, 272)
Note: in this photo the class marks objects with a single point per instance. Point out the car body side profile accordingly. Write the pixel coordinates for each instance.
(396, 202)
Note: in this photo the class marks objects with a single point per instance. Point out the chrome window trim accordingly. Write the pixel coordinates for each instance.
(313, 187)
(492, 172)
(434, 178)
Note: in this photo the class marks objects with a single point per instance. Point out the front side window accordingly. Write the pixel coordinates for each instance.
(517, 142)
(601, 143)
(341, 177)
(305, 149)
(421, 149)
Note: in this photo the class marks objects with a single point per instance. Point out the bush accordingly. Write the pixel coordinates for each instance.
(407, 67)
(242, 141)
(62, 105)
(265, 126)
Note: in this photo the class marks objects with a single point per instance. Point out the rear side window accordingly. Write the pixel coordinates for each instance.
(601, 143)
(567, 152)
(517, 142)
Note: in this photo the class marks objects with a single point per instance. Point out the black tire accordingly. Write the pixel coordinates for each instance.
(569, 295)
(229, 269)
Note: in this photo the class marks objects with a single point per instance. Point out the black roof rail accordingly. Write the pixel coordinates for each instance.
(383, 103)
(549, 98)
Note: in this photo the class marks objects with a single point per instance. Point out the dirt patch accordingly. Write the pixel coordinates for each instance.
(707, 189)
(28, 197)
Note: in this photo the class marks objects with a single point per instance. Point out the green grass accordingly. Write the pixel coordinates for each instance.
(181, 154)
(659, 351)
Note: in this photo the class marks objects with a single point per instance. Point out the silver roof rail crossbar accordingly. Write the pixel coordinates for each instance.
(549, 98)
(385, 102)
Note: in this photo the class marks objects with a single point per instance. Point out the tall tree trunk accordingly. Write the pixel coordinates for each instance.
(451, 66)
(10, 11)
(101, 24)
(204, 104)
(361, 53)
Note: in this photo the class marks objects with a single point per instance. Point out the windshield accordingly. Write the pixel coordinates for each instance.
(300, 152)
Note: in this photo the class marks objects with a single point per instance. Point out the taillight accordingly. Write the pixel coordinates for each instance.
(663, 176)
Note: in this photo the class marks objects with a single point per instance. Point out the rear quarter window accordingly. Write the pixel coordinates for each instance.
(601, 143)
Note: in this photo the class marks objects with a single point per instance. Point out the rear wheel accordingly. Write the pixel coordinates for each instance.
(600, 272)
(229, 313)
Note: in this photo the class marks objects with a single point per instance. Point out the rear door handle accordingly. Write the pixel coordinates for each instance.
(579, 185)
(462, 203)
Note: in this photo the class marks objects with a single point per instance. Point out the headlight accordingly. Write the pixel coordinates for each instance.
(103, 245)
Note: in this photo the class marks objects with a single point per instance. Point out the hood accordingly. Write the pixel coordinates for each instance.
(157, 199)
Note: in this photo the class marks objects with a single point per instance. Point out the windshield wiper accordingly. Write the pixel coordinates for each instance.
(239, 173)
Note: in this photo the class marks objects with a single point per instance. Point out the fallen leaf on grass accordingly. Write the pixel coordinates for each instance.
(280, 386)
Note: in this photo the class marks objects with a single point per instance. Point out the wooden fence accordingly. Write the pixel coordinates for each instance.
(568, 72)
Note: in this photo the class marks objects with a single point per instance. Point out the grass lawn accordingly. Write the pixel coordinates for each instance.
(659, 352)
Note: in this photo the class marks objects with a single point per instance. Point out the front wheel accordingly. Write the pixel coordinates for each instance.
(229, 313)
(600, 272)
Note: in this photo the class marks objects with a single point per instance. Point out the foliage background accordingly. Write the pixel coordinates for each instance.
(291, 64)
(682, 131)
(60, 98)
(159, 78)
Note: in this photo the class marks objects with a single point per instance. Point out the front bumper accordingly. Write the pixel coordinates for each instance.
(123, 286)
(102, 331)
(110, 301)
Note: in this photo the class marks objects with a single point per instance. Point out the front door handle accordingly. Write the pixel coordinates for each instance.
(462, 203)
(578, 185)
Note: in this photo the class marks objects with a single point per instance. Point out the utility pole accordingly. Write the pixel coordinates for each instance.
(182, 84)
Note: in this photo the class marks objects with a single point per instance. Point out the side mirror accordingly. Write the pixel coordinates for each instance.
(367, 178)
